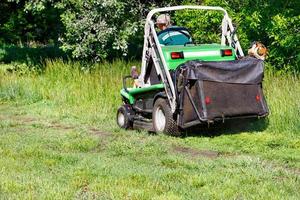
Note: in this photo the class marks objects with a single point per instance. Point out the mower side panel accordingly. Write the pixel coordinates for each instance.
(127, 96)
(131, 93)
(134, 91)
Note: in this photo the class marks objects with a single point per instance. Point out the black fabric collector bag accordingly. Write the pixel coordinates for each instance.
(212, 91)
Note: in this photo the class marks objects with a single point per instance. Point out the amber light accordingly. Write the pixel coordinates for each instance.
(226, 52)
(177, 55)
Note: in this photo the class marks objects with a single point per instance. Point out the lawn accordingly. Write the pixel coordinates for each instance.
(59, 140)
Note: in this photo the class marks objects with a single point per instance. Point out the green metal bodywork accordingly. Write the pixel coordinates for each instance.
(205, 52)
(134, 91)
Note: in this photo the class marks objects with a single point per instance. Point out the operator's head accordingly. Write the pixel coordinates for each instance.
(163, 21)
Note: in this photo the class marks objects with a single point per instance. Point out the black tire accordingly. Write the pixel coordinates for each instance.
(170, 126)
(123, 117)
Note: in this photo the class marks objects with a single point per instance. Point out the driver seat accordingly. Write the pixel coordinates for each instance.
(174, 36)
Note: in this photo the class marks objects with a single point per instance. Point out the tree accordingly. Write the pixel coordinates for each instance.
(21, 21)
(95, 29)
(104, 28)
(101, 29)
(92, 29)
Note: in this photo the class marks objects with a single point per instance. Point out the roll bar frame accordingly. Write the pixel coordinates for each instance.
(153, 49)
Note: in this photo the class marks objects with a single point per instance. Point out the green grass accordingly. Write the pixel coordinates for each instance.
(59, 140)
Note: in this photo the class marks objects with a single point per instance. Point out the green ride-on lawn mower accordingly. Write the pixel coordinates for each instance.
(186, 85)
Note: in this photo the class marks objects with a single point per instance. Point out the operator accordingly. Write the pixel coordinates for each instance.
(171, 35)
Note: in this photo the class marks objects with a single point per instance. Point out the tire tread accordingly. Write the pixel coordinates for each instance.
(171, 127)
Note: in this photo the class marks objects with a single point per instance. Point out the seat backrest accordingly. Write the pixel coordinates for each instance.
(174, 36)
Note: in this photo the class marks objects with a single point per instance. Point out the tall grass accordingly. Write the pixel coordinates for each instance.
(89, 95)
(93, 95)
(283, 96)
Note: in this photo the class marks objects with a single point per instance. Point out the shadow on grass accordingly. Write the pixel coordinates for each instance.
(31, 56)
(230, 127)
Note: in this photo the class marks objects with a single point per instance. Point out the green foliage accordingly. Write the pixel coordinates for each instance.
(284, 33)
(97, 30)
(204, 26)
(29, 57)
(274, 23)
(104, 29)
(92, 30)
(21, 22)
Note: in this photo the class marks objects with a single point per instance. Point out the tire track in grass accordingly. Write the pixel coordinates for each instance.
(194, 153)
(211, 154)
(25, 120)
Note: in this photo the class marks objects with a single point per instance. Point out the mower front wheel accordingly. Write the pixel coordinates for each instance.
(123, 117)
(163, 119)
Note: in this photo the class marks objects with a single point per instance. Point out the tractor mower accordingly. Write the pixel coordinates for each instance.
(185, 85)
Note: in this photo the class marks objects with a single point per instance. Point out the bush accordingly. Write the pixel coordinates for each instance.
(29, 56)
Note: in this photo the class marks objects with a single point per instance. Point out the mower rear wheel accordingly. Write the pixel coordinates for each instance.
(163, 119)
(123, 117)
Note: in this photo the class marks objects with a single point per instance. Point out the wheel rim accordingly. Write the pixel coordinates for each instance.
(121, 119)
(160, 119)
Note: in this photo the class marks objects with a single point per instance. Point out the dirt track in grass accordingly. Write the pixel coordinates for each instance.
(25, 120)
(28, 121)
(22, 120)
